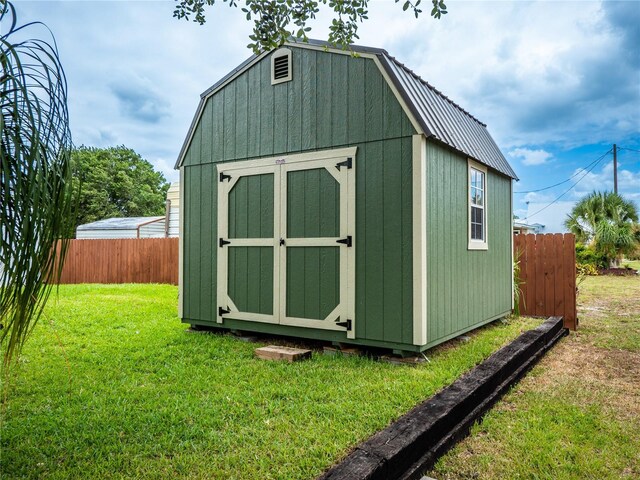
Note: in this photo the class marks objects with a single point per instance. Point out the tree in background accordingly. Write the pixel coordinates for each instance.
(116, 182)
(606, 223)
(36, 205)
(276, 21)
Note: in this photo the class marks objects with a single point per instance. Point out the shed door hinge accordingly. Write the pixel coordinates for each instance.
(347, 163)
(346, 241)
(222, 311)
(224, 177)
(224, 242)
(346, 324)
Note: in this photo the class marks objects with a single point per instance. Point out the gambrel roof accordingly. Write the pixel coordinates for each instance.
(432, 113)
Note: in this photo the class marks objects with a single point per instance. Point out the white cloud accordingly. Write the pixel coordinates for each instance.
(535, 197)
(536, 75)
(531, 157)
(533, 74)
(628, 181)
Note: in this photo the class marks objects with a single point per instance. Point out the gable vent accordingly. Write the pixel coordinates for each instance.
(281, 66)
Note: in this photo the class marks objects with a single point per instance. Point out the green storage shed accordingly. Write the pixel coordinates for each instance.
(340, 197)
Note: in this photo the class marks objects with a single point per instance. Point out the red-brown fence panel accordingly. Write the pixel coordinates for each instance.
(547, 275)
(122, 260)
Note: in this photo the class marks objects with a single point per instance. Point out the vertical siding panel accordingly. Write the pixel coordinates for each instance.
(253, 113)
(374, 254)
(373, 101)
(312, 255)
(452, 258)
(266, 108)
(194, 250)
(280, 122)
(442, 212)
(392, 241)
(217, 139)
(391, 114)
(196, 146)
(407, 240)
(266, 280)
(323, 100)
(206, 134)
(206, 234)
(339, 101)
(356, 105)
(242, 109)
(309, 93)
(362, 321)
(254, 258)
(186, 267)
(266, 206)
(295, 290)
(254, 207)
(294, 117)
(230, 121)
(449, 187)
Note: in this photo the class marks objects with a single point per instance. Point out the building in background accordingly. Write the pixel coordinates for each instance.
(173, 210)
(523, 228)
(138, 227)
(552, 218)
(124, 227)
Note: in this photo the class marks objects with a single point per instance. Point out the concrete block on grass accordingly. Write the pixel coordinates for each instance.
(289, 354)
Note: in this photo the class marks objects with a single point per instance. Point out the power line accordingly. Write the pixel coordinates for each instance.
(572, 176)
(630, 149)
(570, 188)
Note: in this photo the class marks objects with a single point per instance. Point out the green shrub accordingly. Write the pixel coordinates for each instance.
(586, 255)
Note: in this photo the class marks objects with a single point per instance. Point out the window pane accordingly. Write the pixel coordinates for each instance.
(477, 223)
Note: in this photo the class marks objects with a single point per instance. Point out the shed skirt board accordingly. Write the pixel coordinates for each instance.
(286, 246)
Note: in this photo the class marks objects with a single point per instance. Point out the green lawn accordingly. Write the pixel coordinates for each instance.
(635, 264)
(111, 385)
(577, 415)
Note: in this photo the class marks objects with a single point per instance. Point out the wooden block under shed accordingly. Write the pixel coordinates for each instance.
(274, 352)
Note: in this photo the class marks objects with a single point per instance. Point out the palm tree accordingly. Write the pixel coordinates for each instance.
(607, 223)
(35, 177)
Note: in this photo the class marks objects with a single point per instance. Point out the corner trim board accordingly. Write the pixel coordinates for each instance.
(419, 240)
(181, 247)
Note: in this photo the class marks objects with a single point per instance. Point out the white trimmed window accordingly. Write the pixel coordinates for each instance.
(281, 66)
(477, 206)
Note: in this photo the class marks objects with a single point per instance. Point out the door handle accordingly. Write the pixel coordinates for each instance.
(282, 242)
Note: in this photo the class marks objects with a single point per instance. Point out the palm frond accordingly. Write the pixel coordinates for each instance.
(35, 180)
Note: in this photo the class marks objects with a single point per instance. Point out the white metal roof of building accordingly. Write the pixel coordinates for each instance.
(121, 223)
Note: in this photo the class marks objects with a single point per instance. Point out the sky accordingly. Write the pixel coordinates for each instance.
(557, 83)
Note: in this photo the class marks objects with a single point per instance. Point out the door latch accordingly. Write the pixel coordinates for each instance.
(282, 242)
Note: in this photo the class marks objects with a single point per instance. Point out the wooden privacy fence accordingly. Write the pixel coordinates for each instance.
(547, 275)
(122, 260)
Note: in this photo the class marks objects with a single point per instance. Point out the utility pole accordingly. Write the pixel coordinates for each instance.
(615, 168)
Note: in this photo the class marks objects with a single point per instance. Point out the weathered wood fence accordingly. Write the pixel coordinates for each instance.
(547, 268)
(547, 275)
(122, 260)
